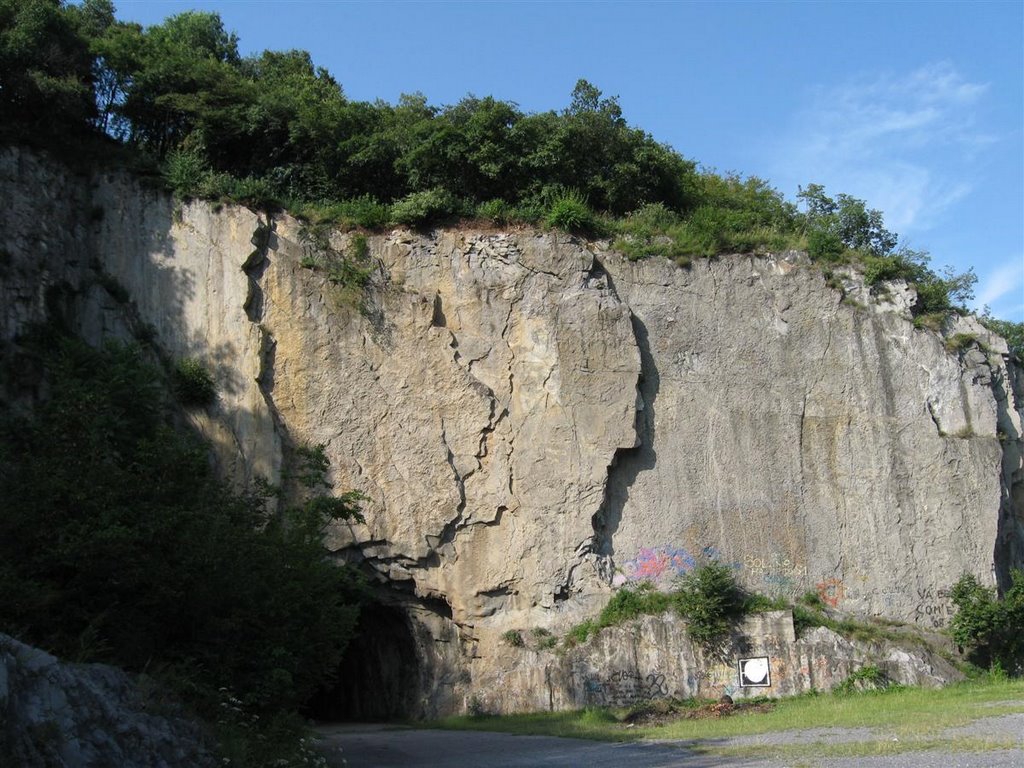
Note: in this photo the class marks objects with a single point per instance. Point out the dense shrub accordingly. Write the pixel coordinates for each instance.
(187, 173)
(275, 127)
(710, 599)
(569, 211)
(990, 629)
(419, 208)
(496, 210)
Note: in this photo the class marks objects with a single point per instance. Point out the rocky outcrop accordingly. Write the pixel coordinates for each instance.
(57, 715)
(537, 420)
(654, 658)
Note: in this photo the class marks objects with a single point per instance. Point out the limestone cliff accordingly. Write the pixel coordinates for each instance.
(536, 419)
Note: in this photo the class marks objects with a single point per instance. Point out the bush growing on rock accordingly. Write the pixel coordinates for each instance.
(513, 638)
(420, 208)
(990, 629)
(193, 384)
(710, 599)
(569, 211)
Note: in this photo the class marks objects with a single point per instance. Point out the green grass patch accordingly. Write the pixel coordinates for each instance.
(918, 714)
(592, 723)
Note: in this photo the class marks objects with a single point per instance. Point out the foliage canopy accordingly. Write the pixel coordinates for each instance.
(274, 129)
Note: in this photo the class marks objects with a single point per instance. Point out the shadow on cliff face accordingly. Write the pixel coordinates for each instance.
(378, 677)
(630, 462)
(1009, 394)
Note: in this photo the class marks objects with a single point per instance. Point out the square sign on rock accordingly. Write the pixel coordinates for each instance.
(755, 672)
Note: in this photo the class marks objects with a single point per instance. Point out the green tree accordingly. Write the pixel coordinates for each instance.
(1012, 332)
(45, 71)
(185, 84)
(292, 128)
(117, 48)
(987, 627)
(847, 220)
(119, 544)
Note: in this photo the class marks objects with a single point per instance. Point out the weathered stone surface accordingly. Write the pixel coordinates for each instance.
(654, 658)
(811, 444)
(479, 413)
(57, 715)
(537, 420)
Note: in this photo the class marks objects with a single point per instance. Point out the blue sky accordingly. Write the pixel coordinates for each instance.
(915, 107)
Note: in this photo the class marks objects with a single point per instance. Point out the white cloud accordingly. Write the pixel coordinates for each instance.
(904, 143)
(1002, 289)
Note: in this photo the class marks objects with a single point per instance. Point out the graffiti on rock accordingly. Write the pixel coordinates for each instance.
(933, 607)
(772, 571)
(665, 563)
(831, 592)
(658, 564)
(625, 688)
(718, 679)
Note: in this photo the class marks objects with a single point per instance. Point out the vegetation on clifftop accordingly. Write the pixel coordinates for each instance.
(274, 130)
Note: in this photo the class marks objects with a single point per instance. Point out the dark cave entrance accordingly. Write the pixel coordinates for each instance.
(378, 679)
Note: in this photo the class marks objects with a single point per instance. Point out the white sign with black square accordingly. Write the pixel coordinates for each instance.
(755, 672)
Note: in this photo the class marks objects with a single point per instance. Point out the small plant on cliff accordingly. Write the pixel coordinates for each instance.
(543, 638)
(755, 602)
(581, 632)
(960, 342)
(1012, 332)
(629, 604)
(513, 638)
(867, 678)
(569, 211)
(193, 384)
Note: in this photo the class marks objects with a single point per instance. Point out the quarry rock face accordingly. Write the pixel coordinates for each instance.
(537, 421)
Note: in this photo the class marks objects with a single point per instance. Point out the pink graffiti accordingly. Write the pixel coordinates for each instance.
(657, 563)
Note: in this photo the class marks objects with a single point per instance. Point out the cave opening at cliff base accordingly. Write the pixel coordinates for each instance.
(378, 677)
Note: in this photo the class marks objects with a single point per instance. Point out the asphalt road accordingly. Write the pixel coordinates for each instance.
(377, 747)
(465, 749)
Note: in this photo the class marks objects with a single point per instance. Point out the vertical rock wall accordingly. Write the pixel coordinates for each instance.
(812, 444)
(536, 420)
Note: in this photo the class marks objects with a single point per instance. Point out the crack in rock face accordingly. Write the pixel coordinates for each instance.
(483, 433)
